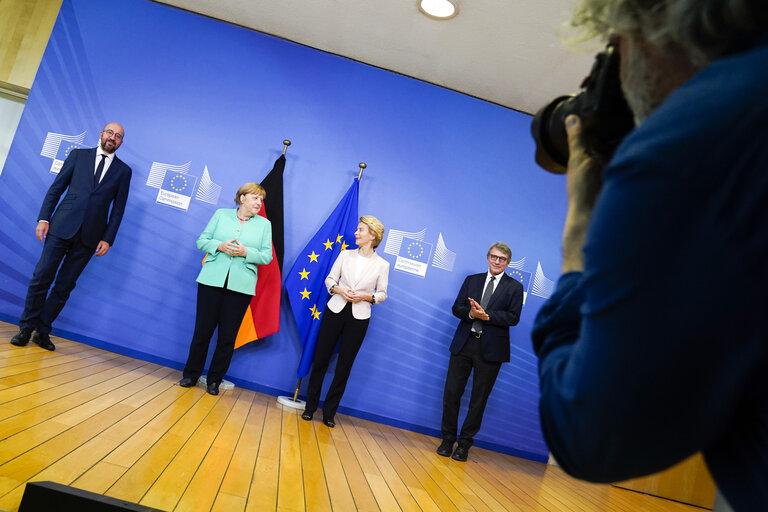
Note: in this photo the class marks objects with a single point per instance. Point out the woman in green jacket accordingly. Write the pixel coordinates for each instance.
(236, 240)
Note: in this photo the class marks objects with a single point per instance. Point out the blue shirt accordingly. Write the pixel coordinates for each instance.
(659, 349)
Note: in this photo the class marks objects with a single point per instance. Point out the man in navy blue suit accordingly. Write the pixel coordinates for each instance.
(488, 304)
(79, 227)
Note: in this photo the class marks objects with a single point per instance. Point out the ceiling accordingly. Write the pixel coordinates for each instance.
(503, 51)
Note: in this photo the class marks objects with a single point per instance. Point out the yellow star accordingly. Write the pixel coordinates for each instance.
(328, 244)
(305, 294)
(316, 314)
(344, 246)
(338, 238)
(313, 256)
(304, 274)
(313, 309)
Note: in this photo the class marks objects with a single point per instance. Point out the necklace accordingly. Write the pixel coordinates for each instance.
(240, 218)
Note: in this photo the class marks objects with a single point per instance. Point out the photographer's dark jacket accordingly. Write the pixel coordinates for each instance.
(659, 349)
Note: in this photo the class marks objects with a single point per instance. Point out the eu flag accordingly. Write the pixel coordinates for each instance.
(305, 282)
(524, 278)
(179, 183)
(65, 148)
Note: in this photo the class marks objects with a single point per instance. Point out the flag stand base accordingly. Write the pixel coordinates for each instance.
(288, 401)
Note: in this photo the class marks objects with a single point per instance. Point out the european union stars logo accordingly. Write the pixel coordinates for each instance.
(415, 249)
(413, 256)
(65, 148)
(524, 278)
(311, 277)
(178, 183)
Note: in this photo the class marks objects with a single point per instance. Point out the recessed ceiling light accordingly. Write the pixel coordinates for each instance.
(438, 9)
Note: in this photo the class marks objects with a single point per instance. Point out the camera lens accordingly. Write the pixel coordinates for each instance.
(548, 129)
(605, 116)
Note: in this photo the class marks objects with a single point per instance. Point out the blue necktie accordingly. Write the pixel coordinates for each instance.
(99, 170)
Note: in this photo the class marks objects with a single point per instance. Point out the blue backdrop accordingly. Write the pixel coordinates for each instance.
(214, 102)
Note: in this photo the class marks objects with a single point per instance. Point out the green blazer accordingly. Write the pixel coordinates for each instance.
(255, 235)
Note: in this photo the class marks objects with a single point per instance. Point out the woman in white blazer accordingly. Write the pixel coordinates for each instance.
(358, 280)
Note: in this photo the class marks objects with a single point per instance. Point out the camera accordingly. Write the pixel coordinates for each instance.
(605, 116)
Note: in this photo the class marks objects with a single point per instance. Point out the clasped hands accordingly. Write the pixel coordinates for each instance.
(477, 311)
(351, 295)
(233, 248)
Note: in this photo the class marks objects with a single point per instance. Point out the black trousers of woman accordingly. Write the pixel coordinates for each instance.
(216, 307)
(352, 332)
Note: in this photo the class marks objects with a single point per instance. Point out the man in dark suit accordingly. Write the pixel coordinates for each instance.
(488, 304)
(82, 225)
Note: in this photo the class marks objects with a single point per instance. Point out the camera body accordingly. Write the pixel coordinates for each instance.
(605, 116)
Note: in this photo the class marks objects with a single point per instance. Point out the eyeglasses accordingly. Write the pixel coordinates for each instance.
(110, 133)
(495, 257)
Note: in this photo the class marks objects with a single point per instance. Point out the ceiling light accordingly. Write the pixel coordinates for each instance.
(438, 9)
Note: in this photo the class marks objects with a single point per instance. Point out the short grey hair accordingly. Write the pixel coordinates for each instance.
(705, 30)
(501, 246)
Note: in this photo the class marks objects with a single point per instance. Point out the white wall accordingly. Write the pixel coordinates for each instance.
(10, 113)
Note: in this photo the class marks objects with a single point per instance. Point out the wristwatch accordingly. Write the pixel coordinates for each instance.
(373, 299)
(331, 290)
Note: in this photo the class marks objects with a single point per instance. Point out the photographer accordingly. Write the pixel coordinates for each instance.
(654, 345)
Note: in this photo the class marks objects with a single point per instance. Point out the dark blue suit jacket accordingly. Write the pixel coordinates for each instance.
(503, 310)
(84, 206)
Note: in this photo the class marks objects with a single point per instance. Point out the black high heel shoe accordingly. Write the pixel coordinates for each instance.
(306, 416)
(329, 423)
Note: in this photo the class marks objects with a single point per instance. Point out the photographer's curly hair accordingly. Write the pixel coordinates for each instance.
(705, 30)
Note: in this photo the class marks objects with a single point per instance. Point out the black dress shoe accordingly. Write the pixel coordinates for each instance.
(22, 337)
(307, 416)
(187, 382)
(461, 453)
(213, 388)
(44, 341)
(329, 423)
(445, 448)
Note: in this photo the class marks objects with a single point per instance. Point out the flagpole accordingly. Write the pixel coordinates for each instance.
(360, 174)
(288, 401)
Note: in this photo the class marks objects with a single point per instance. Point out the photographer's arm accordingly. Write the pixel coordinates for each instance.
(584, 183)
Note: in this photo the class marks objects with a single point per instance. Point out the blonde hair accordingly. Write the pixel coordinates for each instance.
(375, 227)
(250, 188)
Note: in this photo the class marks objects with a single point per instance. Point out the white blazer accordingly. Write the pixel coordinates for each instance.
(372, 280)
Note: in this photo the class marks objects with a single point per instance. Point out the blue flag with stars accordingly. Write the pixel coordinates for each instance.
(305, 283)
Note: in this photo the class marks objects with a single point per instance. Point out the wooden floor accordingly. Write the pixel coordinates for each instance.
(122, 427)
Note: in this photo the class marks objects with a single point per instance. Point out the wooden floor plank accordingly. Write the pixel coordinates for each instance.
(339, 490)
(237, 479)
(385, 498)
(262, 494)
(202, 490)
(290, 491)
(117, 426)
(167, 490)
(316, 487)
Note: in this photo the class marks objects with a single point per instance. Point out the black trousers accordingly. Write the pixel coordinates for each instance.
(216, 307)
(351, 331)
(62, 259)
(484, 375)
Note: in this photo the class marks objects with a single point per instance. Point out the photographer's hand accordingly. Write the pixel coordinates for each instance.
(584, 183)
